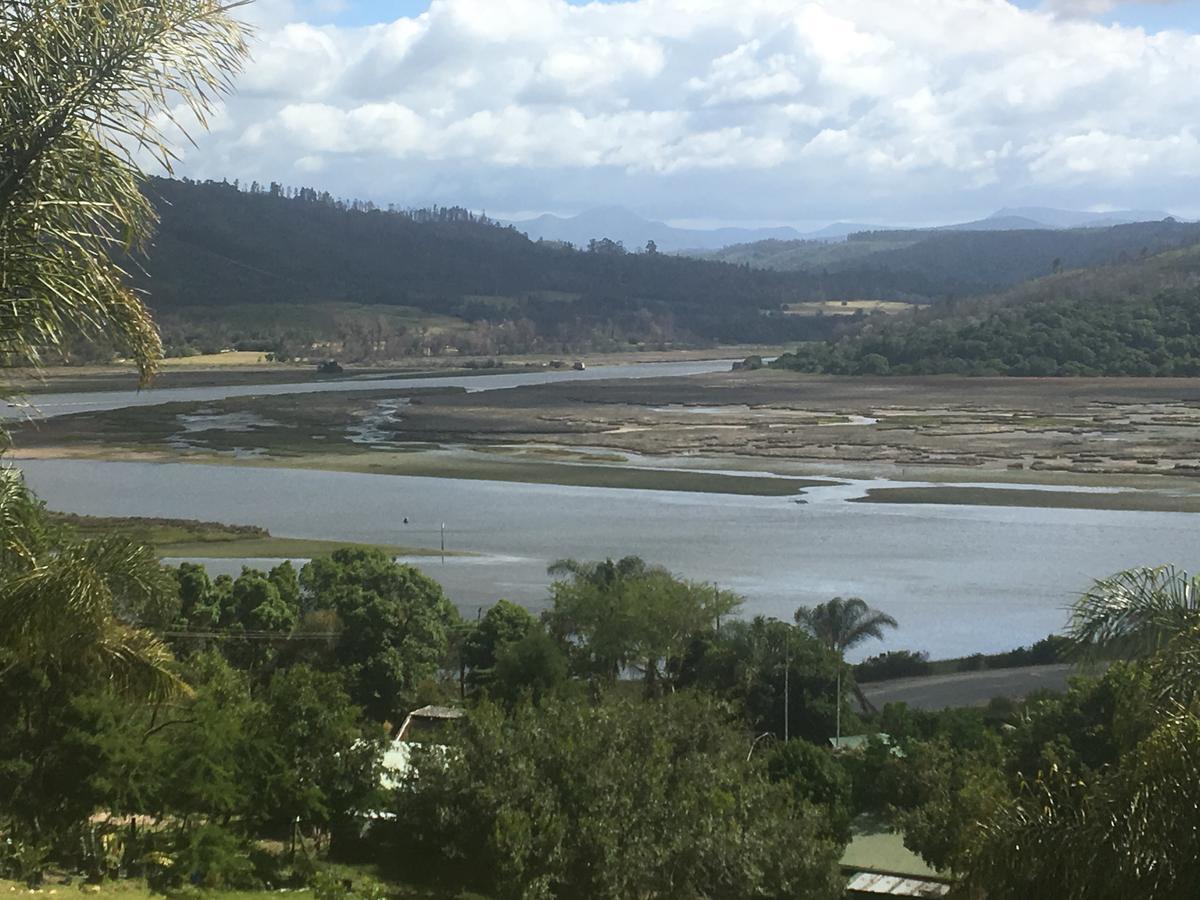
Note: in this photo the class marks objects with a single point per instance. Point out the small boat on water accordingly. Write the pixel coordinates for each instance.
(579, 366)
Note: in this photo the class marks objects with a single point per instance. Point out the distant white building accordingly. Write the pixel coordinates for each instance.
(425, 727)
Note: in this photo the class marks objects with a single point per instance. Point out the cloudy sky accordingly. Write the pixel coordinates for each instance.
(722, 111)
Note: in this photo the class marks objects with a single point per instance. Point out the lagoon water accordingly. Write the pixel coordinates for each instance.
(959, 579)
(61, 404)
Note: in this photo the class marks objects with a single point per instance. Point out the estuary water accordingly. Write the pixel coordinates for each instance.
(959, 579)
(61, 404)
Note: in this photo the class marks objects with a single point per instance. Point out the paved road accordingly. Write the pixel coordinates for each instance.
(968, 688)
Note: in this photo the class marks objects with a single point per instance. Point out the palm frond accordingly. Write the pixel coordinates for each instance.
(842, 623)
(87, 87)
(1135, 612)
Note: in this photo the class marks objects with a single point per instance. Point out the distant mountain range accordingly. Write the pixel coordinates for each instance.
(619, 224)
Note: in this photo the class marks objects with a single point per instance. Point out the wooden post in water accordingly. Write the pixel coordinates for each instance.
(443, 543)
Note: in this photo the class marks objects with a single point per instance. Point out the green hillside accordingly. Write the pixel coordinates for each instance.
(1140, 318)
(947, 263)
(232, 266)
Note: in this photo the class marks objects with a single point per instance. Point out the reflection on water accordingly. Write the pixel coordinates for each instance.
(959, 579)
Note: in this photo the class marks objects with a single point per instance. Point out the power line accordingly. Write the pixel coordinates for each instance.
(254, 635)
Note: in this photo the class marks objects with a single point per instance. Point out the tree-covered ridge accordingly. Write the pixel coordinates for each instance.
(221, 248)
(960, 263)
(277, 267)
(1138, 319)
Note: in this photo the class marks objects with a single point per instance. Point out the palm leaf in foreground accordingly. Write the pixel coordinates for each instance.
(74, 606)
(1135, 612)
(87, 89)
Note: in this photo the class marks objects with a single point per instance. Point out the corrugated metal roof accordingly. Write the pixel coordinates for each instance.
(437, 712)
(877, 884)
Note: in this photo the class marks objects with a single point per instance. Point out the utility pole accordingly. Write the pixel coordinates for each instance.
(787, 675)
(839, 705)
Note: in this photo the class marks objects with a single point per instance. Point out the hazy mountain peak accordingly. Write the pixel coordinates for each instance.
(1066, 218)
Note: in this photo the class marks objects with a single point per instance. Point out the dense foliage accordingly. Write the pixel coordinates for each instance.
(620, 799)
(627, 742)
(1157, 335)
(958, 263)
(286, 267)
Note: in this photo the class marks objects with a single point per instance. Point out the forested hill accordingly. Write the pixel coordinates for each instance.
(959, 263)
(220, 251)
(1139, 318)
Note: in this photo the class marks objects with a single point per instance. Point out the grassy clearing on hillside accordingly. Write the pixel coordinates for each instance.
(225, 358)
(847, 307)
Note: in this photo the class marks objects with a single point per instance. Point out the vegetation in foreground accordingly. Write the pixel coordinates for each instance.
(215, 733)
(229, 733)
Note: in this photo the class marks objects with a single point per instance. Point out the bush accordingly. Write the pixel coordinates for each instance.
(893, 664)
(616, 800)
(213, 857)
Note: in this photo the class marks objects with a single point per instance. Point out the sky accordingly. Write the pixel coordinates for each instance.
(707, 112)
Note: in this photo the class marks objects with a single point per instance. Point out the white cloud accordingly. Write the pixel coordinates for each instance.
(766, 109)
(1095, 7)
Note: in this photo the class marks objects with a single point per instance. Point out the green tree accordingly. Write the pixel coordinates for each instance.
(626, 614)
(782, 679)
(532, 668)
(320, 763)
(1136, 612)
(503, 624)
(1127, 827)
(395, 625)
(815, 777)
(651, 799)
(841, 624)
(70, 606)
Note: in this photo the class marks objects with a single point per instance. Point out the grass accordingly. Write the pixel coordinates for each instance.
(441, 465)
(881, 850)
(133, 889)
(846, 307)
(186, 538)
(1135, 501)
(210, 360)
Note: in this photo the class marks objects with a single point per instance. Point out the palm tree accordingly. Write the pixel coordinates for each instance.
(1136, 612)
(87, 87)
(840, 625)
(75, 606)
(1127, 829)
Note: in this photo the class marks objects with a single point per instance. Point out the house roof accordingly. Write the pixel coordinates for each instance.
(879, 884)
(437, 712)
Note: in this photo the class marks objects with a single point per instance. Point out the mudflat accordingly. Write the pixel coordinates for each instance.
(1141, 433)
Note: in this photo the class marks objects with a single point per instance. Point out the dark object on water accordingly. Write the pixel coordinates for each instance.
(329, 367)
(406, 520)
(579, 366)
